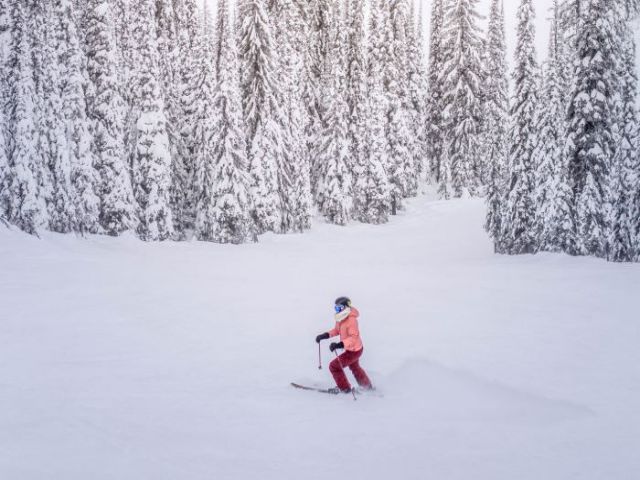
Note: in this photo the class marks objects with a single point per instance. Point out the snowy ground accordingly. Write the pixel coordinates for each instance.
(129, 361)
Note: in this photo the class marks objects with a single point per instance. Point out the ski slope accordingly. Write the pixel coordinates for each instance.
(128, 361)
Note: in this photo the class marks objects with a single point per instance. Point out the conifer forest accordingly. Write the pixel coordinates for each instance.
(222, 121)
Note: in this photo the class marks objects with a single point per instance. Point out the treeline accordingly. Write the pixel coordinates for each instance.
(148, 116)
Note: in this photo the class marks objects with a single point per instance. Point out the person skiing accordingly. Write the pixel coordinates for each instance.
(346, 317)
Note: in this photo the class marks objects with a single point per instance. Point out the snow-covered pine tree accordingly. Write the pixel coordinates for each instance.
(207, 120)
(151, 157)
(335, 185)
(106, 109)
(190, 97)
(51, 137)
(591, 139)
(372, 192)
(261, 115)
(319, 44)
(496, 99)
(222, 212)
(73, 75)
(308, 86)
(169, 14)
(435, 97)
(22, 192)
(357, 100)
(417, 86)
(356, 94)
(625, 172)
(554, 215)
(462, 91)
(293, 170)
(400, 135)
(519, 211)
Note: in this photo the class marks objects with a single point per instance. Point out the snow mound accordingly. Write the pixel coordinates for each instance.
(451, 395)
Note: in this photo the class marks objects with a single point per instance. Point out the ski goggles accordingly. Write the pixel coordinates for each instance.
(339, 308)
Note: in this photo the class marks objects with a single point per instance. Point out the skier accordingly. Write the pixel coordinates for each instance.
(347, 327)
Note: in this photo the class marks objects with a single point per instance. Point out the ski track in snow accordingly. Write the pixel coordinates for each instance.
(124, 360)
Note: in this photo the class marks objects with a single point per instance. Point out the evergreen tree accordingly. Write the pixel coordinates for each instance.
(335, 184)
(435, 97)
(261, 113)
(51, 141)
(417, 87)
(356, 83)
(554, 222)
(169, 14)
(372, 191)
(222, 179)
(22, 192)
(207, 121)
(591, 142)
(106, 110)
(401, 166)
(462, 83)
(190, 96)
(151, 158)
(496, 93)
(307, 81)
(519, 229)
(319, 45)
(293, 169)
(371, 188)
(625, 178)
(73, 74)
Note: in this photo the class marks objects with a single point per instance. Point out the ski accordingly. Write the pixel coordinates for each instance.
(312, 389)
(355, 391)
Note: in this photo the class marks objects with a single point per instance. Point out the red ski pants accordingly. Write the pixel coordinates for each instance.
(351, 360)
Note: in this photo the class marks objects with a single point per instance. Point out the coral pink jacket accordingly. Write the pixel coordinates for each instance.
(349, 332)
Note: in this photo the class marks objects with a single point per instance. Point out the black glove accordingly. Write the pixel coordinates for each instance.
(322, 336)
(335, 346)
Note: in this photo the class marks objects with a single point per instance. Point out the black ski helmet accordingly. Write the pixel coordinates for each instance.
(344, 301)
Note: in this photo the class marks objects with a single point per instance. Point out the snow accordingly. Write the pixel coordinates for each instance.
(121, 359)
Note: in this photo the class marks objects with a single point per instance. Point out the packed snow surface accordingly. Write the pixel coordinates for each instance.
(124, 360)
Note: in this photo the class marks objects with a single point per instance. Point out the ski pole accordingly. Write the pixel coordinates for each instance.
(319, 358)
(353, 390)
